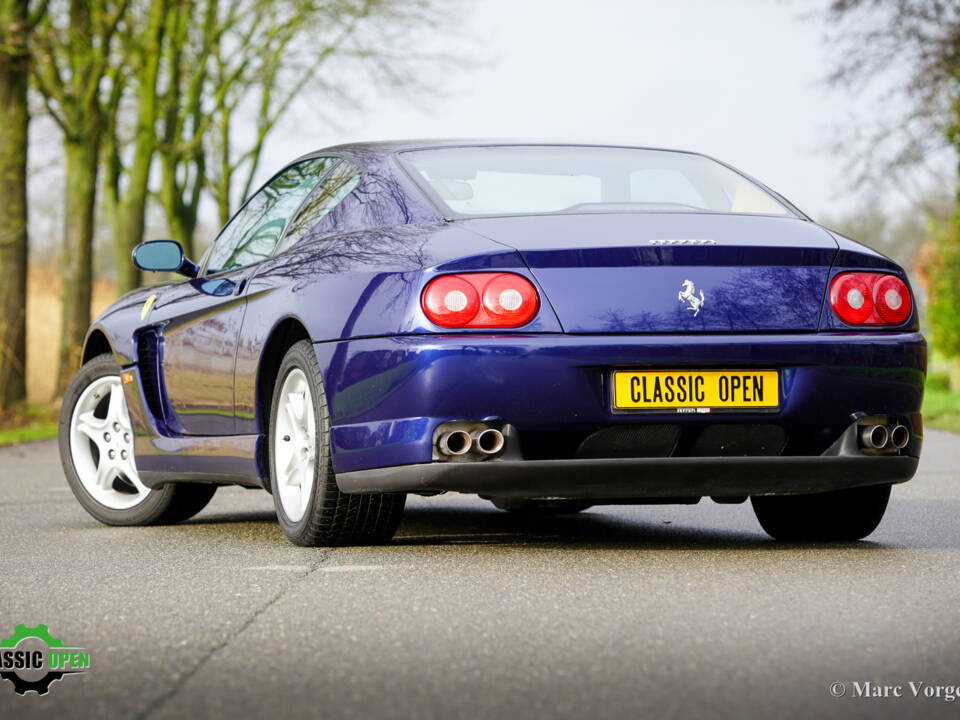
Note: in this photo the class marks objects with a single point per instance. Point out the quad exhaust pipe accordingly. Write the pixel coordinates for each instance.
(878, 437)
(481, 441)
(455, 442)
(487, 442)
(874, 437)
(899, 437)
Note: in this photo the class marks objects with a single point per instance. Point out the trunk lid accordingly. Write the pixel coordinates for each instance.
(673, 273)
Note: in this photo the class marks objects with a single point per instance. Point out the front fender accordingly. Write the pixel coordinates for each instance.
(117, 325)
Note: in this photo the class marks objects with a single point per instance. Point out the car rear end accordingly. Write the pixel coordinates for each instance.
(642, 353)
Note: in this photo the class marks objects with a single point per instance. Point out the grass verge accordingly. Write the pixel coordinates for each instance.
(941, 409)
(27, 423)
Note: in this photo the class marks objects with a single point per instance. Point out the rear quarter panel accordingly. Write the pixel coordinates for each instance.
(362, 284)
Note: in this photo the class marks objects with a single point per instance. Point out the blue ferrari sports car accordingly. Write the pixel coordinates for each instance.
(548, 326)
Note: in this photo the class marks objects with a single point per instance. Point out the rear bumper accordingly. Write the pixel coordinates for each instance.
(388, 395)
(633, 478)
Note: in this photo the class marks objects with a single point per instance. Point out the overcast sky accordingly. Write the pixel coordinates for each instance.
(737, 79)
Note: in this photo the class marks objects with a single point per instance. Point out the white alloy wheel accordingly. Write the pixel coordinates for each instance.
(295, 445)
(101, 446)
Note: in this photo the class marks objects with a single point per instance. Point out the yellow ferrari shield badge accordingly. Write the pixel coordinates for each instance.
(146, 307)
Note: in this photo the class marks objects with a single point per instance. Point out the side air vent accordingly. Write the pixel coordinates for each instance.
(148, 360)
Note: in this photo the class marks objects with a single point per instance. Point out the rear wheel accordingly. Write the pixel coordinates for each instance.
(310, 507)
(524, 506)
(842, 515)
(96, 449)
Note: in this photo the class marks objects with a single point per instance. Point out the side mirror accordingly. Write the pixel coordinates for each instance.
(163, 256)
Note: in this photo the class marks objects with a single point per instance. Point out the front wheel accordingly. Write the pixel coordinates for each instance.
(96, 450)
(840, 516)
(310, 507)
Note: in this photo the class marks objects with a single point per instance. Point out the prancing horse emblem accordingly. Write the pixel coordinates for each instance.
(688, 294)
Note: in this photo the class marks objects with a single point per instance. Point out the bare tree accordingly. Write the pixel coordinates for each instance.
(245, 64)
(906, 52)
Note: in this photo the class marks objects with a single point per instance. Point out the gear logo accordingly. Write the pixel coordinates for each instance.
(31, 659)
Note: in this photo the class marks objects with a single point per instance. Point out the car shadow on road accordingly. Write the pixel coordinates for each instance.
(245, 516)
(476, 525)
(594, 530)
(912, 523)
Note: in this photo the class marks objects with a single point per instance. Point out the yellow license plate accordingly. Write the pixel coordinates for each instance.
(696, 390)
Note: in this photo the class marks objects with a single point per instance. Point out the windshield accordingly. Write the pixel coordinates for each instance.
(530, 180)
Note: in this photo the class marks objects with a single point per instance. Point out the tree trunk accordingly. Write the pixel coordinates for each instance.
(81, 156)
(14, 71)
(130, 213)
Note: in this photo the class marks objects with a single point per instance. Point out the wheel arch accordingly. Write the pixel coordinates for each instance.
(285, 333)
(96, 344)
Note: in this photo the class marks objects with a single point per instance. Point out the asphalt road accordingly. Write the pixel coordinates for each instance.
(657, 611)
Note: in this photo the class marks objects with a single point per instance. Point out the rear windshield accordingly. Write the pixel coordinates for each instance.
(532, 180)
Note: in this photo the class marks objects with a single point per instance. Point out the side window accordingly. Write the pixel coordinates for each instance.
(335, 187)
(253, 232)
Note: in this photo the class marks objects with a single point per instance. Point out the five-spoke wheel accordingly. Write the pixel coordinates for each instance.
(295, 443)
(310, 507)
(97, 444)
(101, 445)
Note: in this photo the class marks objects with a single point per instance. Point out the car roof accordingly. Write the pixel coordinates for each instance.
(388, 147)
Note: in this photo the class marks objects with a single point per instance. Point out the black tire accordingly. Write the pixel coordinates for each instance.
(523, 506)
(171, 503)
(839, 516)
(331, 517)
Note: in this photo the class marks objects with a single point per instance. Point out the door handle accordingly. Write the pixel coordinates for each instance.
(240, 286)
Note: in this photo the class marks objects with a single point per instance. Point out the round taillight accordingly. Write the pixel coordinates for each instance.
(851, 298)
(891, 299)
(859, 298)
(511, 299)
(480, 300)
(451, 301)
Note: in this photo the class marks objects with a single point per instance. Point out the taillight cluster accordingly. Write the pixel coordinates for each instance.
(480, 300)
(860, 298)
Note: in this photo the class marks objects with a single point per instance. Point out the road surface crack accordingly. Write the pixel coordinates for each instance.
(181, 681)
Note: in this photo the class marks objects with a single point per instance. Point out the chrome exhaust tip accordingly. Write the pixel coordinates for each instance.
(899, 437)
(488, 442)
(874, 437)
(455, 442)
